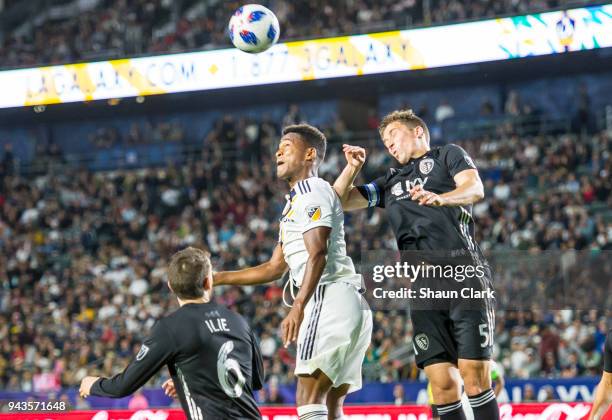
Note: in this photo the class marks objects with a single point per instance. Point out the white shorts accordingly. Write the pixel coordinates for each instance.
(335, 334)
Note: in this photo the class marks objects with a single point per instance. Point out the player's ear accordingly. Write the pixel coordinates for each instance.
(311, 154)
(208, 282)
(169, 287)
(418, 130)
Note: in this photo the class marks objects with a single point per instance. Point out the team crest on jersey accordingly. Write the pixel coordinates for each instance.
(142, 353)
(314, 213)
(397, 189)
(426, 165)
(422, 341)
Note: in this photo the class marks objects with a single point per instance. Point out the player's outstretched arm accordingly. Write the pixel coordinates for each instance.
(155, 352)
(315, 240)
(263, 273)
(350, 197)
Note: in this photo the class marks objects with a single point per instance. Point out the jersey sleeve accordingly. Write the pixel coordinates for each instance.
(155, 352)
(374, 192)
(314, 205)
(457, 159)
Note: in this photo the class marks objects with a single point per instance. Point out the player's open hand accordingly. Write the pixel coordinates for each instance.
(355, 155)
(291, 326)
(86, 384)
(169, 388)
(426, 198)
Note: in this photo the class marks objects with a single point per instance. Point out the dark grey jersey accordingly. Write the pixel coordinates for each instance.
(212, 356)
(425, 227)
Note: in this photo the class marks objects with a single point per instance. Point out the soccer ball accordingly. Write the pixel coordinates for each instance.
(253, 28)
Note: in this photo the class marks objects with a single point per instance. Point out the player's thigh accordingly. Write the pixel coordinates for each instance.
(313, 388)
(445, 382)
(433, 339)
(335, 400)
(474, 330)
(476, 375)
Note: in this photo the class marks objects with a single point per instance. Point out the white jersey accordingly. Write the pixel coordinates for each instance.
(310, 204)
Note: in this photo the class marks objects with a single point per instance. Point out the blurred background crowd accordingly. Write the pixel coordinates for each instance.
(91, 211)
(84, 253)
(62, 31)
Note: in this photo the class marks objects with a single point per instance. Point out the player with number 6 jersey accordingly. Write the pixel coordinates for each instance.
(211, 352)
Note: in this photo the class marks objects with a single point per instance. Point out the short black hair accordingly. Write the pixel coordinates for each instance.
(186, 273)
(311, 135)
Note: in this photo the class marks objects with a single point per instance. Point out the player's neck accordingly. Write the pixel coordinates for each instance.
(203, 299)
(308, 173)
(419, 153)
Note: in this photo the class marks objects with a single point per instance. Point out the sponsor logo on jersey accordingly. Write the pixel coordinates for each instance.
(314, 213)
(426, 165)
(397, 189)
(422, 341)
(142, 353)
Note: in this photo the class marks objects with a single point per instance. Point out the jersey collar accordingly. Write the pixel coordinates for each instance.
(291, 194)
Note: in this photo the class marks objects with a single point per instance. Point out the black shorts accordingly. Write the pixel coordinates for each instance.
(449, 335)
(608, 353)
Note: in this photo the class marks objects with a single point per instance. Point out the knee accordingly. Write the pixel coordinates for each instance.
(306, 397)
(310, 395)
(445, 390)
(476, 378)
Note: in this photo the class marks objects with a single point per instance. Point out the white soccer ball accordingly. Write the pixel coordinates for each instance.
(253, 28)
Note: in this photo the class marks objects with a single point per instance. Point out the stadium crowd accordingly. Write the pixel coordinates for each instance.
(83, 254)
(103, 29)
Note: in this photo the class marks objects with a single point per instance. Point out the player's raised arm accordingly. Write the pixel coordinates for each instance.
(269, 271)
(350, 197)
(155, 352)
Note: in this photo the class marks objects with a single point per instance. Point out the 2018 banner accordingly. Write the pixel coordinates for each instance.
(357, 55)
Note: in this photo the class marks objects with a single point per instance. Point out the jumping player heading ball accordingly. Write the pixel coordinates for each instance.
(428, 199)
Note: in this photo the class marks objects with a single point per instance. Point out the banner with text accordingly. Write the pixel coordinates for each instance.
(357, 55)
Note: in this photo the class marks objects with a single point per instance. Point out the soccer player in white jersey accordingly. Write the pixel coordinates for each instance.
(329, 318)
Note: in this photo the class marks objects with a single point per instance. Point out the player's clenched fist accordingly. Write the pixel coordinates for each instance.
(291, 325)
(355, 155)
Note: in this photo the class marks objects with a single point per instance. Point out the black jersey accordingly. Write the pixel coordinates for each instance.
(212, 356)
(425, 227)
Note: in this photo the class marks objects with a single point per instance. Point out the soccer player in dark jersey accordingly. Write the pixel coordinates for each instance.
(603, 395)
(211, 352)
(428, 200)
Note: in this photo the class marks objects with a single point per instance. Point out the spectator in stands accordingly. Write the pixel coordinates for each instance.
(444, 111)
(138, 401)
